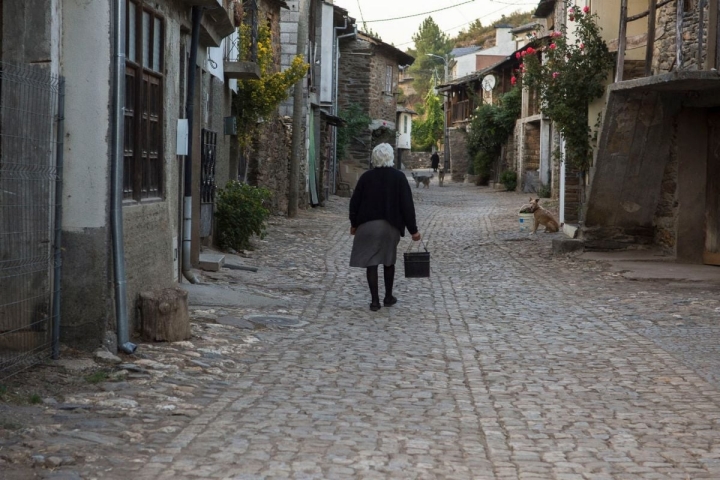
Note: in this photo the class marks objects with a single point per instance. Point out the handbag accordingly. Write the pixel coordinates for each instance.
(417, 264)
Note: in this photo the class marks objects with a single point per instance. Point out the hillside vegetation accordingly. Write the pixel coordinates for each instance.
(484, 35)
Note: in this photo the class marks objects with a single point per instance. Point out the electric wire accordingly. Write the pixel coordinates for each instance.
(418, 14)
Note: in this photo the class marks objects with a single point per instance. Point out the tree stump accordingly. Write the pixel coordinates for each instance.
(164, 315)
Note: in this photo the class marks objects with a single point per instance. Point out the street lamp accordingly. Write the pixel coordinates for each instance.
(446, 160)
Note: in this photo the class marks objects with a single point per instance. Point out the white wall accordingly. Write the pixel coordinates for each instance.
(326, 54)
(86, 64)
(404, 130)
(465, 65)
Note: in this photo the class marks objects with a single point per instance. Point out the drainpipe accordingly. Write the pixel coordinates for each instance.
(121, 314)
(197, 13)
(336, 95)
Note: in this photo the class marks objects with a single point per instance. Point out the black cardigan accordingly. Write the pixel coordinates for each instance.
(384, 194)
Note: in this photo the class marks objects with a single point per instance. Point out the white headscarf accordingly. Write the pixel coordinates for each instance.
(383, 156)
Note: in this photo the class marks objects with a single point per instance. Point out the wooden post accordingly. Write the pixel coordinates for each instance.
(622, 40)
(652, 7)
(679, 34)
(712, 36)
(701, 23)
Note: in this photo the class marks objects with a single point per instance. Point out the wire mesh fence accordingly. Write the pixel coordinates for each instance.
(30, 175)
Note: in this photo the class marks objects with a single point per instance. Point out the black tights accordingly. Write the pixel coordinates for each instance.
(372, 278)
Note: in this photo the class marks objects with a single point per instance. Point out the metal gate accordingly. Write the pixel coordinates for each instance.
(31, 122)
(208, 148)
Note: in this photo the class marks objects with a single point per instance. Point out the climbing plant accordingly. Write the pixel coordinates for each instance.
(258, 99)
(356, 122)
(568, 76)
(489, 128)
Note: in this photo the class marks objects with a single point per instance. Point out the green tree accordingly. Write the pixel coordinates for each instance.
(429, 39)
(428, 130)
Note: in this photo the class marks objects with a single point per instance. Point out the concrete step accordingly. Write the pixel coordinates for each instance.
(211, 262)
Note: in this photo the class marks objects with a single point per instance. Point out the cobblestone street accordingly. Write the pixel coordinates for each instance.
(508, 363)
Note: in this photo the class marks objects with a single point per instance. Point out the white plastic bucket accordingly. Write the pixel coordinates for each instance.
(526, 221)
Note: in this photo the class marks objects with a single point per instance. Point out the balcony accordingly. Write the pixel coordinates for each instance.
(233, 67)
(461, 111)
(693, 47)
(217, 20)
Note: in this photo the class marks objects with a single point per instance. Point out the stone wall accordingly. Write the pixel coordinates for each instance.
(269, 160)
(354, 88)
(666, 213)
(573, 194)
(459, 158)
(412, 160)
(383, 105)
(664, 54)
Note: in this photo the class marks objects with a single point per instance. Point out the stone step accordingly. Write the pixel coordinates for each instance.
(211, 262)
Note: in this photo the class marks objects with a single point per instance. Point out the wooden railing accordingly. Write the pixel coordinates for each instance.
(461, 111)
(711, 59)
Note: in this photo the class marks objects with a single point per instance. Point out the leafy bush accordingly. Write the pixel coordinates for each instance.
(482, 165)
(509, 179)
(490, 127)
(544, 191)
(241, 213)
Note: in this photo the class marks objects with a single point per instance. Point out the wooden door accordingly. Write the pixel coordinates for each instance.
(711, 255)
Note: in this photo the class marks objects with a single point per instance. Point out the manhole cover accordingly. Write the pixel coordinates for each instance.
(275, 320)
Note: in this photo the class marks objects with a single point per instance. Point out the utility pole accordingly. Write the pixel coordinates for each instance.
(446, 160)
(446, 103)
(298, 103)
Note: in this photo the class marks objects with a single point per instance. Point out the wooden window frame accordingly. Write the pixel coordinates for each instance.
(143, 177)
(389, 74)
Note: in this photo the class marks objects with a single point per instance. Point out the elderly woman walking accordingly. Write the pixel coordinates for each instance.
(381, 208)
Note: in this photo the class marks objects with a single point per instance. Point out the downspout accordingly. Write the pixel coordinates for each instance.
(121, 313)
(197, 13)
(336, 94)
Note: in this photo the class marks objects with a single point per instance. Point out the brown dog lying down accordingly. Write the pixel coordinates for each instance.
(542, 217)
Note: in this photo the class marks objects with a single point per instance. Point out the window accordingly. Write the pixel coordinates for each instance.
(406, 123)
(388, 79)
(143, 174)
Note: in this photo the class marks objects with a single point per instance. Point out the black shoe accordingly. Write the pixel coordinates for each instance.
(375, 306)
(389, 301)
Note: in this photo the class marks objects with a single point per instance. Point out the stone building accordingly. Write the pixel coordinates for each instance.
(77, 41)
(368, 78)
(656, 174)
(327, 24)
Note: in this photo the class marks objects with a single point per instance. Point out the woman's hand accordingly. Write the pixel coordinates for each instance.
(353, 230)
(416, 237)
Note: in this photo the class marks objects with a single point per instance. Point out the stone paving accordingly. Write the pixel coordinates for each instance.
(508, 363)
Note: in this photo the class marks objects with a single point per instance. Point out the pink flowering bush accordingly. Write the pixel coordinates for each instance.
(568, 78)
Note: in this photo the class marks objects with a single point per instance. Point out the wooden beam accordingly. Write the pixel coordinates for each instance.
(632, 42)
(701, 24)
(712, 36)
(679, 34)
(644, 14)
(652, 6)
(621, 41)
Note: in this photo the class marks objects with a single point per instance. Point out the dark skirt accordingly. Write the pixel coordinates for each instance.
(375, 244)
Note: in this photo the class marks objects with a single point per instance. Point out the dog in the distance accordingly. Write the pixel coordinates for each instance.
(542, 217)
(425, 180)
(441, 176)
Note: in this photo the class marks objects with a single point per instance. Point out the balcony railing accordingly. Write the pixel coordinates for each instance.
(708, 47)
(461, 111)
(238, 63)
